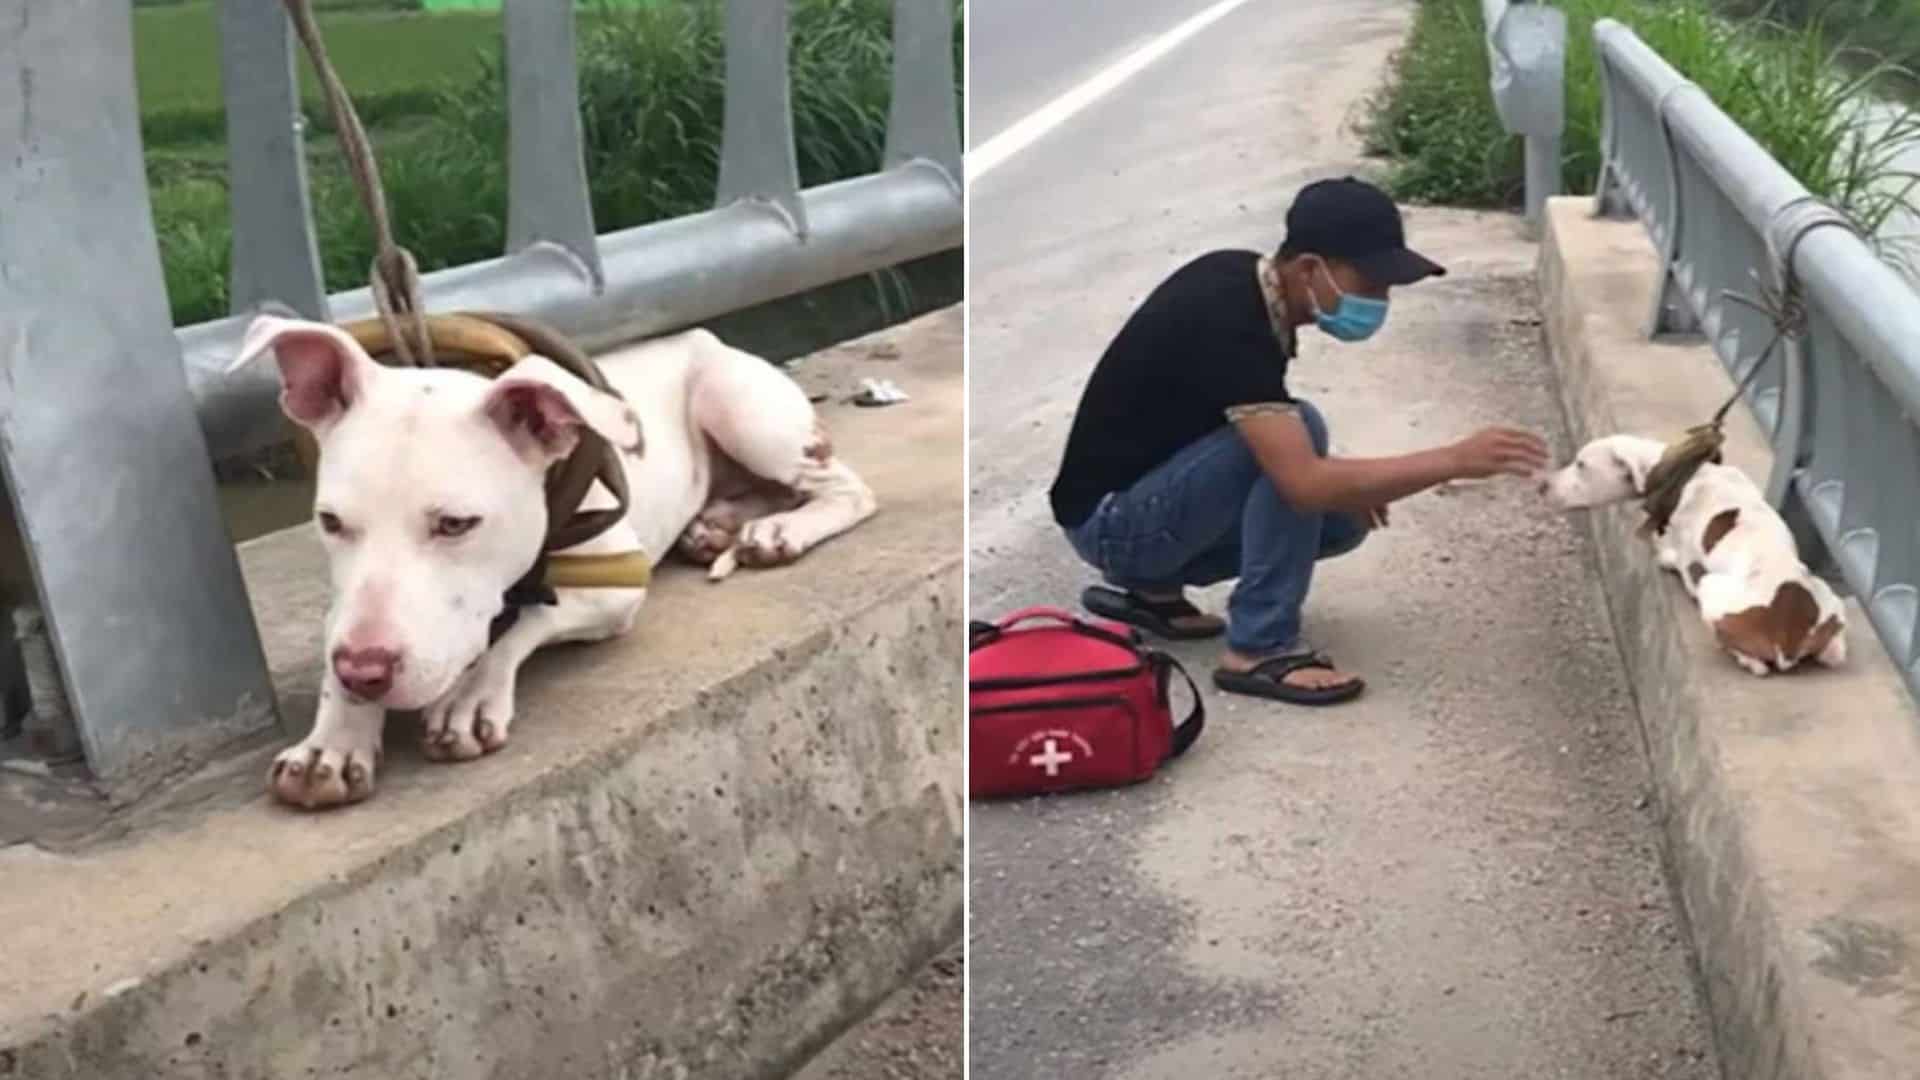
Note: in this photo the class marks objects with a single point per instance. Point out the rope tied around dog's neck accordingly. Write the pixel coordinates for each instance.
(1786, 310)
(1701, 444)
(487, 343)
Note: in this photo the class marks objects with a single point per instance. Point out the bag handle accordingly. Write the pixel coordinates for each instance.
(1187, 730)
(1039, 611)
(981, 633)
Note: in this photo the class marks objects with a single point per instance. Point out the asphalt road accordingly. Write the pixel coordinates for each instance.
(1457, 876)
(1025, 54)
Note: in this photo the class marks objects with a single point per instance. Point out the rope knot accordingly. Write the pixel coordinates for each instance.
(1785, 310)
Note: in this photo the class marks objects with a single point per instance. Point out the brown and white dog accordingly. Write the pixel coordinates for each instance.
(1731, 549)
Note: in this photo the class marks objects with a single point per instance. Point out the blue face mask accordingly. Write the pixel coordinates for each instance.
(1354, 318)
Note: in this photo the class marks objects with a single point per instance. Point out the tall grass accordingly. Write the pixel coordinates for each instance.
(1889, 28)
(1786, 87)
(652, 88)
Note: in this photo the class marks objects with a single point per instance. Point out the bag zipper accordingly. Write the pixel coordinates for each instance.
(1029, 682)
(1056, 704)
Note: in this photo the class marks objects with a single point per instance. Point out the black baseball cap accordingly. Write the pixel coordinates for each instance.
(1353, 221)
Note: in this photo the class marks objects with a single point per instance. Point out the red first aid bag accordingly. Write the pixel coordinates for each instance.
(1066, 703)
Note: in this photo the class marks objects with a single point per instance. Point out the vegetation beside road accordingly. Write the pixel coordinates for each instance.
(1435, 118)
(1890, 28)
(429, 86)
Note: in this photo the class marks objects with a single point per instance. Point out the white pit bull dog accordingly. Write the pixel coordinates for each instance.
(1731, 549)
(431, 503)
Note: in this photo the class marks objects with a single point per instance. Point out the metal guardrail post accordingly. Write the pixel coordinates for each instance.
(757, 159)
(1527, 50)
(923, 120)
(1792, 416)
(1674, 310)
(1609, 197)
(1638, 85)
(106, 468)
(275, 253)
(547, 197)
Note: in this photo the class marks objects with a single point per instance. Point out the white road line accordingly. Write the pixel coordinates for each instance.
(1030, 128)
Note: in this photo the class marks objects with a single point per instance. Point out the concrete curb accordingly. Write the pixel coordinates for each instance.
(709, 848)
(1792, 804)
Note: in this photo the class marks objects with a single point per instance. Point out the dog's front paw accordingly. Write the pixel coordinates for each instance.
(472, 718)
(764, 542)
(322, 772)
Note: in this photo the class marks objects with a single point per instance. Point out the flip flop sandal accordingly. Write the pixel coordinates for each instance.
(1267, 679)
(1154, 616)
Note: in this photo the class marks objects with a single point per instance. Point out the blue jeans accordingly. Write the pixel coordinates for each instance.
(1209, 514)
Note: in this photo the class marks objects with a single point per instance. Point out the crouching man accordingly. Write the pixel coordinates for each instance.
(1189, 462)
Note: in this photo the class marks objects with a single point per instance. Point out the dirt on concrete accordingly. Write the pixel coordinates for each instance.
(916, 1034)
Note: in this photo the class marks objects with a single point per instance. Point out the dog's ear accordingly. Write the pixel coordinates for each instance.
(323, 371)
(540, 407)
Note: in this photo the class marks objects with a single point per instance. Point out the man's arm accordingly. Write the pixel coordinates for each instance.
(1279, 441)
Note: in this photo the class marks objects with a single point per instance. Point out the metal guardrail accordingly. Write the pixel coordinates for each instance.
(1841, 403)
(108, 415)
(1527, 52)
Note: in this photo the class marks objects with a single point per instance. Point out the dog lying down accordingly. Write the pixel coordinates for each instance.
(431, 503)
(1731, 549)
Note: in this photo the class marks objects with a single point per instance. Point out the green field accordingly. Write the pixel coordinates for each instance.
(429, 87)
(392, 62)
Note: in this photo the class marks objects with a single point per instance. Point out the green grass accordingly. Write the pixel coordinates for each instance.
(395, 63)
(652, 87)
(1888, 28)
(1435, 117)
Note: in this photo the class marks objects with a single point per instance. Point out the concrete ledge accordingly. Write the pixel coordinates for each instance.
(709, 847)
(1792, 804)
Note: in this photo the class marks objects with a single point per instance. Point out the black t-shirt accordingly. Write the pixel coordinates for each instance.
(1199, 344)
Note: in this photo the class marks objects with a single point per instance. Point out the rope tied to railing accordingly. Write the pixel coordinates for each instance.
(1785, 308)
(394, 276)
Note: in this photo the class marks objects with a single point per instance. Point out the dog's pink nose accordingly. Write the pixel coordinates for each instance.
(366, 673)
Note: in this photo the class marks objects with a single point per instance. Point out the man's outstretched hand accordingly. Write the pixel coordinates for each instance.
(1497, 450)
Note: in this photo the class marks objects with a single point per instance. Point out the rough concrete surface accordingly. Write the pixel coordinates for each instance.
(710, 846)
(916, 1034)
(1456, 876)
(1790, 803)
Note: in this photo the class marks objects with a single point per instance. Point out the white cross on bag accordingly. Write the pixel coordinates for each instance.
(1051, 759)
